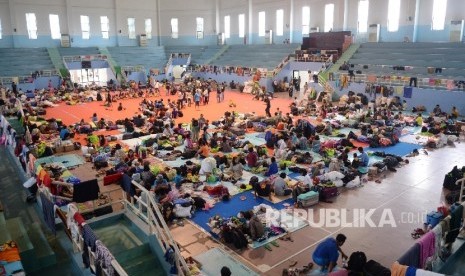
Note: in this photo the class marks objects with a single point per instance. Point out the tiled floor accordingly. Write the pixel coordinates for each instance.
(405, 196)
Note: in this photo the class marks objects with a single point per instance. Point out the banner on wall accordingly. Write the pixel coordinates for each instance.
(408, 92)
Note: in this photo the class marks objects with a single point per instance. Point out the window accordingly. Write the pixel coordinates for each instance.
(54, 26)
(31, 23)
(132, 28)
(174, 28)
(148, 28)
(105, 26)
(85, 27)
(393, 15)
(329, 17)
(199, 21)
(305, 20)
(439, 14)
(261, 23)
(227, 26)
(241, 25)
(280, 22)
(363, 16)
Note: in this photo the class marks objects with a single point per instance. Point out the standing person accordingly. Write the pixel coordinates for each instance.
(223, 88)
(327, 252)
(218, 94)
(14, 88)
(268, 106)
(108, 99)
(195, 129)
(197, 99)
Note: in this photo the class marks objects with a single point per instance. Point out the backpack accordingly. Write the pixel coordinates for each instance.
(238, 239)
(253, 180)
(357, 261)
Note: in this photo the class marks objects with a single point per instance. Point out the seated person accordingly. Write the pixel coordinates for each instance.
(252, 158)
(120, 107)
(280, 187)
(94, 118)
(316, 144)
(235, 170)
(207, 165)
(418, 120)
(225, 145)
(167, 131)
(256, 228)
(204, 150)
(437, 111)
(273, 168)
(262, 189)
(214, 140)
(64, 133)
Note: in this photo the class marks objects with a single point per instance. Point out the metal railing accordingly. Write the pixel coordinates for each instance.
(75, 236)
(147, 209)
(28, 79)
(136, 68)
(441, 84)
(83, 58)
(168, 64)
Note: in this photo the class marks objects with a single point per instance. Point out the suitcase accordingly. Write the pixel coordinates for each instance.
(326, 191)
(433, 218)
(237, 131)
(308, 199)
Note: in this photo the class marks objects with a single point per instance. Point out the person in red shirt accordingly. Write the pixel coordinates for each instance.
(252, 158)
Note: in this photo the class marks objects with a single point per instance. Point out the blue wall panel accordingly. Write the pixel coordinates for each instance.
(184, 40)
(6, 41)
(23, 41)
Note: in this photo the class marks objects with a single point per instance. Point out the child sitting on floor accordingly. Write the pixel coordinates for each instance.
(120, 107)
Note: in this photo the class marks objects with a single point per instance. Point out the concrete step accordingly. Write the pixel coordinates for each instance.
(125, 256)
(18, 233)
(144, 265)
(43, 251)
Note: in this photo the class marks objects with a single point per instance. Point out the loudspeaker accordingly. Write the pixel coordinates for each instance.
(86, 64)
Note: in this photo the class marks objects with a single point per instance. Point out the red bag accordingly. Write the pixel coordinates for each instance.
(443, 210)
(113, 178)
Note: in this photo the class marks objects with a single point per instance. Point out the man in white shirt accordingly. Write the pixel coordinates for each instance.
(168, 131)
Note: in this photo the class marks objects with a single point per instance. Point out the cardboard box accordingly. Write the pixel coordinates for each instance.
(59, 149)
(69, 147)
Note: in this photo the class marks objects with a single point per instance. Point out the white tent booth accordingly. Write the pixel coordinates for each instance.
(89, 70)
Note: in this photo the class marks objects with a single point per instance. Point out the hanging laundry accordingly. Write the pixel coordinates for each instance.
(411, 257)
(427, 246)
(86, 191)
(104, 257)
(89, 241)
(408, 92)
(48, 211)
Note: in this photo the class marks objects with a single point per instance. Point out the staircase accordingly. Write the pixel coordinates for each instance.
(129, 245)
(57, 61)
(323, 77)
(218, 54)
(34, 249)
(113, 65)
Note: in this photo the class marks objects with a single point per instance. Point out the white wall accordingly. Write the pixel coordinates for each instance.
(12, 16)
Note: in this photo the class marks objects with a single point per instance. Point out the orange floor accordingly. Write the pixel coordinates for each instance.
(71, 114)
